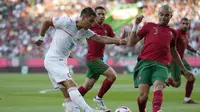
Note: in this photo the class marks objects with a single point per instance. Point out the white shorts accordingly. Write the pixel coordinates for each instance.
(58, 72)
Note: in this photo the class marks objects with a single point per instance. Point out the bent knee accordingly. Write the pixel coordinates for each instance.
(112, 78)
(177, 84)
(143, 96)
(159, 86)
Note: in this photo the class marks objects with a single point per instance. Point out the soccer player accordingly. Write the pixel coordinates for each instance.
(68, 33)
(94, 60)
(154, 59)
(181, 45)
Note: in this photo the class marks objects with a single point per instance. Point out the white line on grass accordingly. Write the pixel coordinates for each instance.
(47, 90)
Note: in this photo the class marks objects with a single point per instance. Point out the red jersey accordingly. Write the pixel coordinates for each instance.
(96, 49)
(157, 40)
(181, 42)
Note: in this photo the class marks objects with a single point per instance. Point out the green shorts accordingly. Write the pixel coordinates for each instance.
(96, 68)
(175, 70)
(147, 72)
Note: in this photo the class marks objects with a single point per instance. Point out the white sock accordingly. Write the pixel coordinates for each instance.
(186, 99)
(98, 98)
(68, 106)
(77, 98)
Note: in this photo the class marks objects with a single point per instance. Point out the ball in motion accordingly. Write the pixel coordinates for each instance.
(123, 109)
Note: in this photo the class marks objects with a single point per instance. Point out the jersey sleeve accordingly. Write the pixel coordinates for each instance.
(144, 30)
(86, 34)
(60, 22)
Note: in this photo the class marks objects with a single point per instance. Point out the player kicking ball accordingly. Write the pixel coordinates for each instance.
(154, 59)
(68, 33)
(181, 46)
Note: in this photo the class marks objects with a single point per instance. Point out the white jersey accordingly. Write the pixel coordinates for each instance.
(65, 38)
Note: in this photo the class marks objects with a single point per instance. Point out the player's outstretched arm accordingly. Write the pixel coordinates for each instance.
(192, 50)
(108, 40)
(134, 38)
(45, 27)
(178, 61)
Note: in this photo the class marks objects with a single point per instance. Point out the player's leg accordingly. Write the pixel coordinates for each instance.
(159, 80)
(89, 82)
(110, 74)
(107, 83)
(95, 68)
(189, 85)
(61, 77)
(175, 73)
(142, 80)
(68, 105)
(143, 97)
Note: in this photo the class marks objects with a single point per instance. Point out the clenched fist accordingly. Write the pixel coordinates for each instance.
(139, 19)
(122, 42)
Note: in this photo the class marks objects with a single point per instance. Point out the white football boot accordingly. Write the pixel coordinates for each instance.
(70, 107)
(100, 103)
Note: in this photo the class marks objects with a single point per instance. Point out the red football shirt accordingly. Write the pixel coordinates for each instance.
(181, 42)
(157, 39)
(96, 49)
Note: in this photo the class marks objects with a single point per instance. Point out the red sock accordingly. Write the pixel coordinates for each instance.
(82, 90)
(189, 88)
(141, 105)
(105, 87)
(157, 101)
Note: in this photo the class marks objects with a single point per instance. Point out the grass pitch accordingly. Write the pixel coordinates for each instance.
(33, 93)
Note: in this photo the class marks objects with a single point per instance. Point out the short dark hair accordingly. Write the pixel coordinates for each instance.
(184, 19)
(99, 7)
(88, 11)
(166, 7)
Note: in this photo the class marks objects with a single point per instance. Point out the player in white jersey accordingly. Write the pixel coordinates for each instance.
(68, 33)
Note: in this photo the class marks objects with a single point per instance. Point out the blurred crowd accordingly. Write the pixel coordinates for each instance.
(20, 21)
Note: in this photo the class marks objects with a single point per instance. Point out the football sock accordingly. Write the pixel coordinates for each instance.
(68, 106)
(189, 88)
(105, 87)
(141, 105)
(77, 98)
(82, 90)
(157, 100)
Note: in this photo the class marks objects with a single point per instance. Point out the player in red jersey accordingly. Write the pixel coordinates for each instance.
(181, 45)
(154, 59)
(94, 60)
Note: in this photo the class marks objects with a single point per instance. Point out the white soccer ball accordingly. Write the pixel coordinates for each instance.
(123, 109)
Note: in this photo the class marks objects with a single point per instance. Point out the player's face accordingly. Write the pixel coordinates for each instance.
(184, 25)
(164, 16)
(87, 22)
(100, 16)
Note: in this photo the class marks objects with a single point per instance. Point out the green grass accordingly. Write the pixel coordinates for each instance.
(20, 93)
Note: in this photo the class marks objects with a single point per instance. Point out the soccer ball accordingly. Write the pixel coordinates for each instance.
(123, 109)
